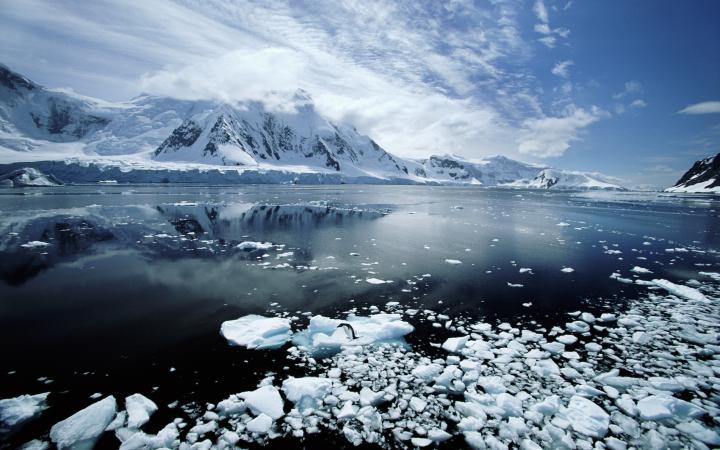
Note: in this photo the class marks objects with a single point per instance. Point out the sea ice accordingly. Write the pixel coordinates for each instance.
(306, 392)
(82, 429)
(680, 290)
(15, 411)
(261, 424)
(257, 332)
(264, 400)
(139, 409)
(586, 417)
(660, 407)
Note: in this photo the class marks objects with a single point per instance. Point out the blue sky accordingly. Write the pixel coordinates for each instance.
(628, 88)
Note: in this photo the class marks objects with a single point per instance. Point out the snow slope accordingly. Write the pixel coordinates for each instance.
(703, 176)
(564, 179)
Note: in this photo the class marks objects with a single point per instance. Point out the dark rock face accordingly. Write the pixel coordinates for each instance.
(183, 136)
(702, 171)
(547, 181)
(14, 81)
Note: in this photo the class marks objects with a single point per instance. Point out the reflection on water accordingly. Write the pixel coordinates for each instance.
(132, 285)
(198, 231)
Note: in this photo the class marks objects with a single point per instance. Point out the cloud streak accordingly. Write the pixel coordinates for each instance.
(711, 107)
(418, 77)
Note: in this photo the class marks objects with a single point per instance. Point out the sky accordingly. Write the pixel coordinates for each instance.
(629, 88)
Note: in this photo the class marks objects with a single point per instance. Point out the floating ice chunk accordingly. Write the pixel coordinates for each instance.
(555, 348)
(695, 430)
(567, 339)
(578, 326)
(586, 417)
(680, 290)
(546, 368)
(257, 332)
(420, 442)
(306, 392)
(587, 317)
(607, 317)
(417, 404)
(375, 281)
(666, 384)
(368, 397)
(231, 405)
(251, 245)
(35, 444)
(438, 435)
(35, 244)
(660, 407)
(82, 429)
(525, 270)
(492, 384)
(453, 261)
(567, 270)
(261, 424)
(593, 347)
(265, 400)
(510, 404)
(427, 372)
(139, 409)
(348, 411)
(563, 224)
(455, 344)
(547, 407)
(15, 411)
(323, 333)
(638, 269)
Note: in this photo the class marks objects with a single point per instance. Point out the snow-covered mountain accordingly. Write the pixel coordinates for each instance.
(248, 135)
(491, 171)
(565, 179)
(703, 176)
(154, 139)
(27, 110)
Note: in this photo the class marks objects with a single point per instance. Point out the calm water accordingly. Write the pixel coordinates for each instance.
(130, 294)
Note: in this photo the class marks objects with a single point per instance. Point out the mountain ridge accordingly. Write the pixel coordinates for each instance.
(162, 134)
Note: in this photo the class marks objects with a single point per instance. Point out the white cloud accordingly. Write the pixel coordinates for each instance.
(638, 103)
(551, 136)
(550, 35)
(561, 68)
(711, 107)
(418, 77)
(630, 88)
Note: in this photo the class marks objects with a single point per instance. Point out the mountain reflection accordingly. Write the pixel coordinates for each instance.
(198, 231)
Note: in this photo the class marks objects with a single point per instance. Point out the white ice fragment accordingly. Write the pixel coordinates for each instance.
(453, 261)
(417, 404)
(586, 417)
(660, 407)
(82, 429)
(375, 281)
(638, 269)
(34, 244)
(261, 424)
(348, 411)
(306, 391)
(680, 290)
(14, 411)
(139, 409)
(567, 269)
(250, 245)
(695, 430)
(265, 400)
(455, 344)
(578, 326)
(427, 372)
(567, 339)
(257, 332)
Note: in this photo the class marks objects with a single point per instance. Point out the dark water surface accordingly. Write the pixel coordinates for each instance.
(130, 294)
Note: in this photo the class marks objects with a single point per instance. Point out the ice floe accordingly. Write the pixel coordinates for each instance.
(82, 429)
(257, 332)
(17, 410)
